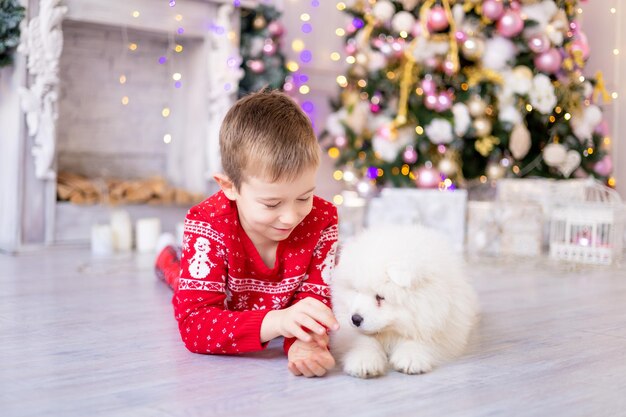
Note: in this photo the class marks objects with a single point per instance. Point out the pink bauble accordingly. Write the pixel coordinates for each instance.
(510, 24)
(460, 36)
(603, 128)
(581, 44)
(350, 49)
(437, 20)
(429, 86)
(604, 166)
(341, 141)
(492, 9)
(269, 49)
(409, 155)
(444, 102)
(430, 101)
(256, 66)
(427, 177)
(275, 28)
(549, 61)
(417, 29)
(374, 108)
(538, 43)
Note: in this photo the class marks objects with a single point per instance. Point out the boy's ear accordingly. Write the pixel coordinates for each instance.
(226, 185)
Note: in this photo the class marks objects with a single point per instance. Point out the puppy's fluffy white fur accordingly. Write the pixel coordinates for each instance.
(401, 299)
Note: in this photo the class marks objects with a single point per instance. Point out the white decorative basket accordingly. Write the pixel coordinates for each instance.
(589, 231)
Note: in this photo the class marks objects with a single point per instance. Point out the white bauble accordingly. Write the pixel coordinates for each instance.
(402, 22)
(509, 114)
(476, 106)
(498, 52)
(376, 61)
(521, 80)
(542, 95)
(584, 123)
(554, 154)
(439, 131)
(389, 148)
(571, 163)
(447, 167)
(334, 123)
(520, 142)
(357, 119)
(383, 10)
(462, 119)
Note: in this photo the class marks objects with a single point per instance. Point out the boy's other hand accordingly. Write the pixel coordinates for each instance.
(310, 358)
(309, 313)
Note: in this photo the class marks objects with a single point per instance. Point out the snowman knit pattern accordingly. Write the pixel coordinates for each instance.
(225, 290)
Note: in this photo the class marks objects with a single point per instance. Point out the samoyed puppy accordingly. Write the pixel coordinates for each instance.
(402, 300)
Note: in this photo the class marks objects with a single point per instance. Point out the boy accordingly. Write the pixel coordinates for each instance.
(257, 255)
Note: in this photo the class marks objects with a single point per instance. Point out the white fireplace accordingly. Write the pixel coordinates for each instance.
(113, 99)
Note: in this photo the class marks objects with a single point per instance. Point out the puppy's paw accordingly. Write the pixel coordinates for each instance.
(364, 364)
(411, 361)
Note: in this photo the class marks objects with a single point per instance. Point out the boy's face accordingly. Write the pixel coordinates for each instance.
(269, 211)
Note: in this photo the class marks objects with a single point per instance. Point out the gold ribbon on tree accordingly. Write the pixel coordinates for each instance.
(600, 88)
(476, 74)
(485, 145)
(407, 80)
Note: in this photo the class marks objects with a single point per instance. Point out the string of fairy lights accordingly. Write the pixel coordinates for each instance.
(296, 84)
(166, 58)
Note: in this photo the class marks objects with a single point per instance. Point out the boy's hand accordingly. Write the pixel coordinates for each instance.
(289, 322)
(310, 358)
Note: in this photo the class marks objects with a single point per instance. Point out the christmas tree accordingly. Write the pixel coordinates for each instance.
(261, 40)
(11, 14)
(440, 93)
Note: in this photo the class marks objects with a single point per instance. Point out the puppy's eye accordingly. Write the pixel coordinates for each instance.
(379, 299)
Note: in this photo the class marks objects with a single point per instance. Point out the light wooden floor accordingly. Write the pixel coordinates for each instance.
(84, 337)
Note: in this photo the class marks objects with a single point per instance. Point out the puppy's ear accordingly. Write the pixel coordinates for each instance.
(401, 275)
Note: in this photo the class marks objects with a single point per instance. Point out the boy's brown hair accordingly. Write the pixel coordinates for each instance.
(266, 133)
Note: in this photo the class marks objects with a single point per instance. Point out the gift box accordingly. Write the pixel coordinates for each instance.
(438, 209)
(548, 193)
(591, 231)
(504, 228)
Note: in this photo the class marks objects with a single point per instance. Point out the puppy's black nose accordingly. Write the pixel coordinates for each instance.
(357, 319)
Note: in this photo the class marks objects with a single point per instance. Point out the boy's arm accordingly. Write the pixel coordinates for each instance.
(320, 269)
(205, 326)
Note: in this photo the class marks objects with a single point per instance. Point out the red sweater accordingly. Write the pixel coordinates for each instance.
(225, 290)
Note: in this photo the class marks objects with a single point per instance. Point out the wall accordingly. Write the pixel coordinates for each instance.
(321, 70)
(605, 33)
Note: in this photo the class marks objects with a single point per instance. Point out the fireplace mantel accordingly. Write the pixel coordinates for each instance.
(29, 212)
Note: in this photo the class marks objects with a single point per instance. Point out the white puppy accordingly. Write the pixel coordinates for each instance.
(400, 296)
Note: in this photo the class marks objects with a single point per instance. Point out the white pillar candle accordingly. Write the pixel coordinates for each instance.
(180, 230)
(122, 230)
(101, 239)
(147, 231)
